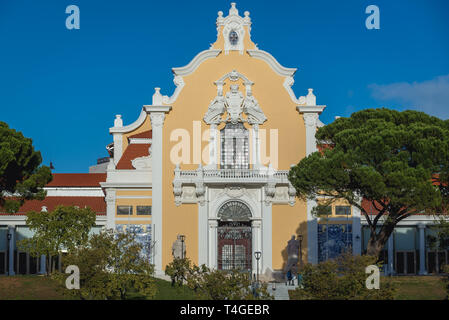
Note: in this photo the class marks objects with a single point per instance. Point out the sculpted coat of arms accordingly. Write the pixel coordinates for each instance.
(234, 104)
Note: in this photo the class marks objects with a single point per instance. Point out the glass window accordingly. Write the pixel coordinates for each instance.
(124, 210)
(233, 38)
(343, 210)
(143, 210)
(234, 146)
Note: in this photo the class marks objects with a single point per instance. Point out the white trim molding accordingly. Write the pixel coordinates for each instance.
(194, 64)
(132, 126)
(272, 62)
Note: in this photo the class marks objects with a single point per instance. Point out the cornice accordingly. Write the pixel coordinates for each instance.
(132, 126)
(193, 65)
(274, 64)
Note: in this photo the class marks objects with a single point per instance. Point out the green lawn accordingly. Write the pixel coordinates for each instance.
(44, 288)
(418, 287)
(29, 288)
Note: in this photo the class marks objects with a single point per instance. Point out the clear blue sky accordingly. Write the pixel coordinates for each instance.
(63, 87)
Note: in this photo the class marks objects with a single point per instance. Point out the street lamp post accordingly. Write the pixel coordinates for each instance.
(257, 255)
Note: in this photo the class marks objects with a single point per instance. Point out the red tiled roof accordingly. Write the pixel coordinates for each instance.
(97, 204)
(132, 152)
(143, 135)
(368, 206)
(77, 179)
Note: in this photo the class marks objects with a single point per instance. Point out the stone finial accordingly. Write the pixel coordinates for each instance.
(118, 122)
(44, 209)
(233, 10)
(247, 18)
(310, 98)
(157, 97)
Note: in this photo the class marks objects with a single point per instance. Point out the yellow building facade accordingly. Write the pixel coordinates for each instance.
(212, 159)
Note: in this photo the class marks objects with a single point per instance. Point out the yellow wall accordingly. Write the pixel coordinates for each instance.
(146, 219)
(191, 105)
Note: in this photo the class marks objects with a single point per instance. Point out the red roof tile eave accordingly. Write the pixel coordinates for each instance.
(97, 204)
(132, 152)
(25, 213)
(77, 180)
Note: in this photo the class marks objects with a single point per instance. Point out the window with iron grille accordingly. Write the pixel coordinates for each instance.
(234, 147)
(124, 210)
(143, 210)
(343, 210)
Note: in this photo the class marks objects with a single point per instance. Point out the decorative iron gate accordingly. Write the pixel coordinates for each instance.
(234, 245)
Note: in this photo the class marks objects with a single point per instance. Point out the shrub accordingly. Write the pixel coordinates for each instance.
(111, 267)
(224, 285)
(177, 270)
(343, 278)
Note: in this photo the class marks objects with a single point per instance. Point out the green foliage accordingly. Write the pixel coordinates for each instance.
(224, 285)
(214, 284)
(66, 227)
(111, 267)
(441, 241)
(343, 278)
(397, 160)
(20, 172)
(178, 270)
(446, 281)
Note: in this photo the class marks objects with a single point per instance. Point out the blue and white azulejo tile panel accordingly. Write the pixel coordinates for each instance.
(333, 240)
(142, 234)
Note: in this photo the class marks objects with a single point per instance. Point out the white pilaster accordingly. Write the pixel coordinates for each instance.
(203, 231)
(310, 114)
(422, 249)
(157, 117)
(310, 120)
(257, 239)
(312, 233)
(110, 208)
(118, 139)
(213, 224)
(157, 122)
(267, 240)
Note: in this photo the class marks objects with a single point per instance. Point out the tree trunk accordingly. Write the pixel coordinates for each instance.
(47, 264)
(378, 240)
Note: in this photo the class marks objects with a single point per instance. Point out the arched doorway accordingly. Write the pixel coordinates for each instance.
(234, 236)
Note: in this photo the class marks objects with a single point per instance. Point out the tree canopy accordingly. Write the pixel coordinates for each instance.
(398, 161)
(66, 227)
(112, 267)
(21, 176)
